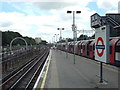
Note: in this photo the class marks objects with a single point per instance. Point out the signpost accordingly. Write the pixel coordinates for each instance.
(102, 26)
(102, 47)
(102, 44)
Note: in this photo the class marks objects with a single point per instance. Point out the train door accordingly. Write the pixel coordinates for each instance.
(76, 47)
(72, 47)
(88, 48)
(83, 48)
(79, 48)
(91, 48)
(112, 50)
(117, 53)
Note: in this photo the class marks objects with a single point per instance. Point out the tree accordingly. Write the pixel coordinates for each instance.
(8, 36)
(92, 37)
(69, 40)
(61, 41)
(44, 42)
(30, 40)
(83, 37)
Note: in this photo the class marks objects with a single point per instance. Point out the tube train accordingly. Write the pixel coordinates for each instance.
(86, 48)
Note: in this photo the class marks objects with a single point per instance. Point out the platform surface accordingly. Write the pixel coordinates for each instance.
(63, 73)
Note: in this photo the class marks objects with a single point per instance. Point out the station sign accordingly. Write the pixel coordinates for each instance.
(102, 44)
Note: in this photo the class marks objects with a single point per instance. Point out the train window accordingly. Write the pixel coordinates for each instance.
(90, 48)
(78, 46)
(117, 49)
(84, 47)
(81, 45)
(94, 46)
(110, 49)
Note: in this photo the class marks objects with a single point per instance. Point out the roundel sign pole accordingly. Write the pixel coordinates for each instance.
(102, 44)
(102, 47)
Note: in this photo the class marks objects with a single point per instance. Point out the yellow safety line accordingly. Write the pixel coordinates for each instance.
(44, 79)
(105, 65)
(112, 67)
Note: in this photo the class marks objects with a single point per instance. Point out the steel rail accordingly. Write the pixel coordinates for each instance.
(30, 69)
(37, 71)
(18, 72)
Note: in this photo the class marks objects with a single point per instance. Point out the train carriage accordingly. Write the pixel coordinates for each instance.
(71, 47)
(83, 48)
(87, 48)
(64, 46)
(76, 47)
(80, 47)
(92, 49)
(115, 51)
(59, 46)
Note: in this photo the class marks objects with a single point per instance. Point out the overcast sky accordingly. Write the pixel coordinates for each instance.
(35, 18)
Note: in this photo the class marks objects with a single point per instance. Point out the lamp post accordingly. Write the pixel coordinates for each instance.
(53, 39)
(74, 29)
(56, 37)
(60, 33)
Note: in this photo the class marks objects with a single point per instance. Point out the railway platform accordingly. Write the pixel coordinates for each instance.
(61, 72)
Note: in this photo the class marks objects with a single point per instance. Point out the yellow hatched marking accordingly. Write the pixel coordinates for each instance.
(44, 79)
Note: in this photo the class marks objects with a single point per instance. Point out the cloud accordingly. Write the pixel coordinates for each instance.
(112, 11)
(6, 24)
(50, 16)
(61, 4)
(52, 5)
(46, 0)
(107, 4)
(29, 25)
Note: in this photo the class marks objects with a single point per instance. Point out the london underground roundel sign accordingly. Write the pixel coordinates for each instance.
(100, 45)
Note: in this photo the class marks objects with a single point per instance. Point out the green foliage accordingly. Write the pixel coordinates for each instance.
(69, 40)
(93, 36)
(61, 41)
(83, 37)
(30, 40)
(8, 36)
(44, 42)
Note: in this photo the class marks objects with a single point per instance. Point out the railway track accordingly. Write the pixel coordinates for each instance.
(25, 77)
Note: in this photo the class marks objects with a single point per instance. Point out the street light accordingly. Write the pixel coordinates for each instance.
(53, 39)
(60, 33)
(56, 37)
(74, 29)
